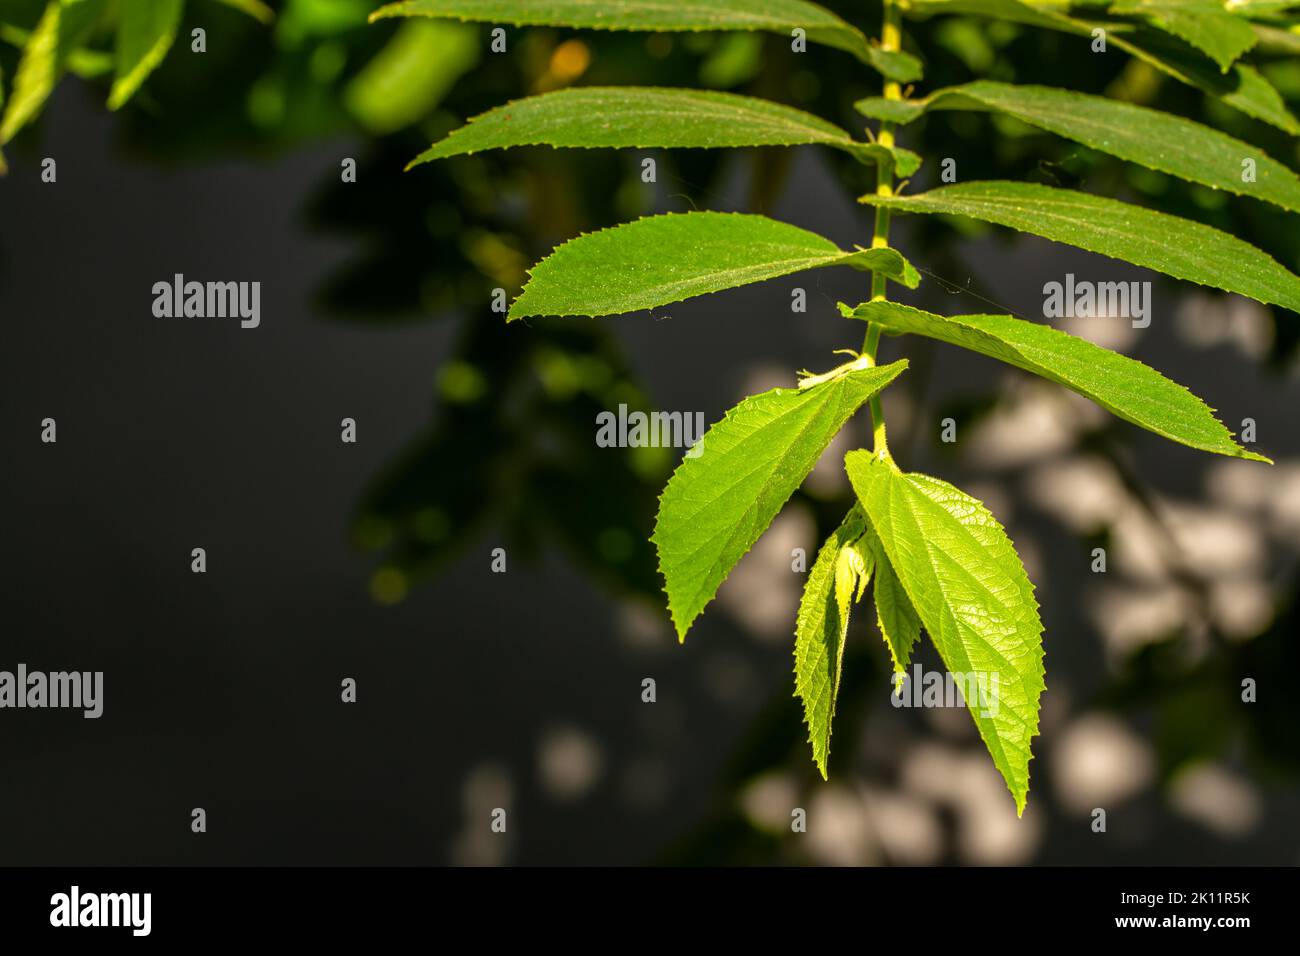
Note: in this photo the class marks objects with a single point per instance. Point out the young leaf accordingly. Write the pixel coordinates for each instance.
(1177, 247)
(1205, 24)
(775, 16)
(57, 33)
(966, 582)
(895, 616)
(1151, 138)
(589, 117)
(719, 501)
(1135, 392)
(663, 259)
(834, 583)
(145, 33)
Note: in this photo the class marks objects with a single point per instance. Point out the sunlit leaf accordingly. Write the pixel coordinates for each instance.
(1135, 392)
(727, 491)
(641, 265)
(1177, 247)
(965, 580)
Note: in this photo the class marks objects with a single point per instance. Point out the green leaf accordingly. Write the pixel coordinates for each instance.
(619, 117)
(834, 583)
(663, 259)
(1205, 24)
(145, 33)
(895, 616)
(1243, 87)
(1151, 138)
(966, 582)
(1177, 247)
(1135, 392)
(57, 33)
(726, 492)
(256, 9)
(891, 111)
(776, 16)
(896, 65)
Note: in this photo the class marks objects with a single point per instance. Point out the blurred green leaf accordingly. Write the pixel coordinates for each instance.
(777, 16)
(56, 35)
(146, 30)
(410, 76)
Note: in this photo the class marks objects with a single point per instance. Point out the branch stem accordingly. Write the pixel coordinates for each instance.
(890, 42)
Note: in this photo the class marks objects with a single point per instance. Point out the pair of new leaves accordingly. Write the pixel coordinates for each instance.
(939, 560)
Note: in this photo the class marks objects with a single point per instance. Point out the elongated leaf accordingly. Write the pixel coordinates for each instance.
(1151, 138)
(1177, 247)
(1243, 87)
(719, 502)
(145, 33)
(664, 259)
(1205, 24)
(966, 582)
(895, 616)
(44, 57)
(646, 117)
(834, 583)
(1135, 392)
(776, 16)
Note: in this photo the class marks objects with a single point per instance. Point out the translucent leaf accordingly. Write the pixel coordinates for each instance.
(834, 583)
(634, 117)
(1177, 247)
(967, 584)
(897, 619)
(57, 33)
(724, 495)
(776, 16)
(145, 32)
(664, 259)
(1135, 392)
(1151, 138)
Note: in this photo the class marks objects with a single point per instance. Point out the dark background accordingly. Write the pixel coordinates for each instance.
(522, 690)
